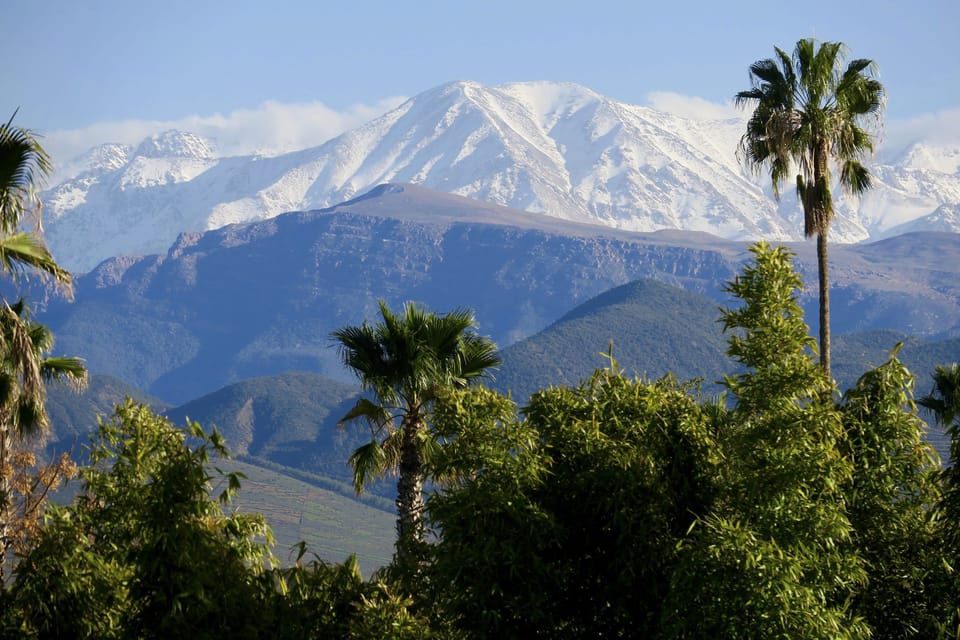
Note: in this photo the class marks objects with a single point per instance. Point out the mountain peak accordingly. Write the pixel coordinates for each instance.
(176, 144)
(942, 158)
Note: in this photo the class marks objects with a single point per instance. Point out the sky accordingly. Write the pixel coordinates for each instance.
(288, 74)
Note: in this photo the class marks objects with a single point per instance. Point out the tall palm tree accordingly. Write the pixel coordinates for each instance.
(406, 361)
(24, 344)
(23, 166)
(811, 111)
(25, 369)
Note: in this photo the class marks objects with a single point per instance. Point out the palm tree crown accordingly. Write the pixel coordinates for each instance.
(811, 111)
(25, 369)
(406, 361)
(944, 399)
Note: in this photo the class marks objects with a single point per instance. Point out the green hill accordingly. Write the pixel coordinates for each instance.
(73, 416)
(655, 329)
(290, 419)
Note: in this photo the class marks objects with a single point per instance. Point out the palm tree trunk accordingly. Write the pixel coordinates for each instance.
(6, 497)
(410, 491)
(824, 302)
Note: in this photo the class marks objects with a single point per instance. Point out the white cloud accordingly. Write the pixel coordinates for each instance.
(941, 128)
(692, 107)
(271, 128)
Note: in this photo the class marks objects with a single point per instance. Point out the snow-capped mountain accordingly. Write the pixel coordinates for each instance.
(553, 148)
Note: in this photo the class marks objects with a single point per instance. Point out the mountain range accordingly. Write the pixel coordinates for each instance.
(261, 298)
(287, 423)
(556, 149)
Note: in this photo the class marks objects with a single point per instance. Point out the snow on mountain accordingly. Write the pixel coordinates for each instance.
(925, 156)
(945, 218)
(553, 148)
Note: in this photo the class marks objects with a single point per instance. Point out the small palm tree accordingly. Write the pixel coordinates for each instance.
(944, 399)
(25, 369)
(944, 402)
(23, 166)
(406, 361)
(811, 111)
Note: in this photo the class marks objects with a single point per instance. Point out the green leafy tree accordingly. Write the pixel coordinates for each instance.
(322, 600)
(144, 551)
(811, 111)
(773, 559)
(565, 524)
(889, 498)
(25, 370)
(406, 361)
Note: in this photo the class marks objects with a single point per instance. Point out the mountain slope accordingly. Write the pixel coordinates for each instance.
(289, 419)
(654, 329)
(73, 415)
(552, 148)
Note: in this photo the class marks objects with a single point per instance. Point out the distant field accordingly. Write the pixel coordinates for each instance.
(333, 525)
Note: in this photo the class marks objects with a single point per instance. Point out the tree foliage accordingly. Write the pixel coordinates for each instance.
(774, 559)
(944, 402)
(566, 524)
(147, 550)
(144, 550)
(889, 498)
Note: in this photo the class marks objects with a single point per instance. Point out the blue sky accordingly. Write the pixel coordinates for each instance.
(300, 71)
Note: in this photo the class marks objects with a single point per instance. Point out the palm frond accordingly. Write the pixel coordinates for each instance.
(855, 177)
(24, 165)
(68, 370)
(479, 355)
(25, 370)
(392, 447)
(376, 416)
(29, 416)
(944, 398)
(20, 250)
(369, 462)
